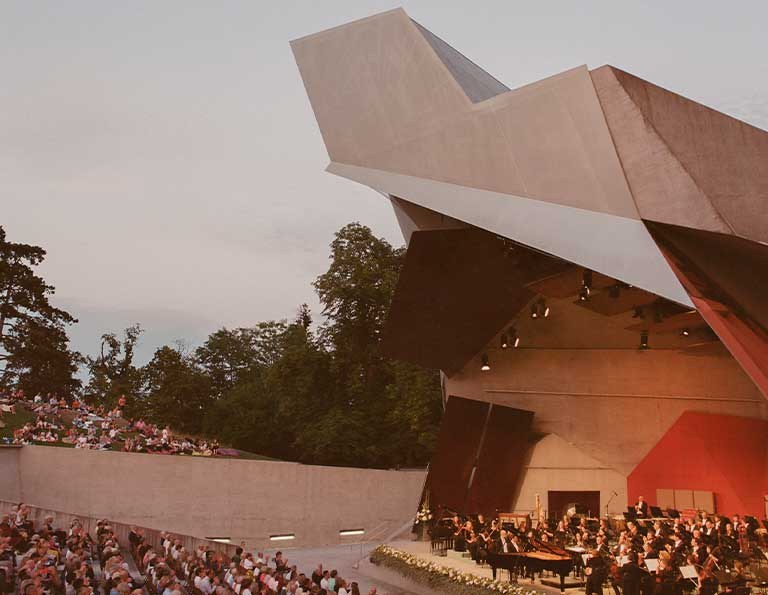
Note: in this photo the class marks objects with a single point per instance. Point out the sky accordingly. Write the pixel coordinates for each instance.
(166, 156)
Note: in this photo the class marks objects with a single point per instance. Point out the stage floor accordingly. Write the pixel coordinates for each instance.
(421, 549)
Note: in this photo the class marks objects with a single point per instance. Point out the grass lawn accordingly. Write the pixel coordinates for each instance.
(14, 421)
(22, 416)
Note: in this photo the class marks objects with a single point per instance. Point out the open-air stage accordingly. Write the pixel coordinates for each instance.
(422, 550)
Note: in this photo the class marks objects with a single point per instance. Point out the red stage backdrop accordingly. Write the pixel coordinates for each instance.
(723, 454)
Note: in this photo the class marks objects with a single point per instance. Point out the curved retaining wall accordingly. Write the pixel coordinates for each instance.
(202, 497)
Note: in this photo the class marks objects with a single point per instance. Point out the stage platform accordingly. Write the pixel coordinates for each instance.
(421, 549)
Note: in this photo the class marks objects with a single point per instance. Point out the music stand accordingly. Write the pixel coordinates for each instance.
(652, 564)
(656, 512)
(621, 560)
(689, 573)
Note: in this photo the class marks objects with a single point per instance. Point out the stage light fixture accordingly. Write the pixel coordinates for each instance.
(584, 294)
(586, 278)
(685, 332)
(644, 340)
(504, 341)
(514, 339)
(534, 311)
(486, 366)
(543, 308)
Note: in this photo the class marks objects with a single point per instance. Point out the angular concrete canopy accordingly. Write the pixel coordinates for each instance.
(578, 165)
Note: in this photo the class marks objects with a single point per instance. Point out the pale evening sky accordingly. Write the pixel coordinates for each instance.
(166, 156)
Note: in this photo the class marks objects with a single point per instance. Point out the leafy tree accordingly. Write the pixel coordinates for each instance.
(113, 373)
(229, 356)
(34, 353)
(179, 392)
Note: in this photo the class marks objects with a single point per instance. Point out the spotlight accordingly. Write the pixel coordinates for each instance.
(485, 367)
(644, 340)
(685, 332)
(542, 307)
(534, 310)
(586, 278)
(514, 340)
(504, 341)
(584, 294)
(638, 313)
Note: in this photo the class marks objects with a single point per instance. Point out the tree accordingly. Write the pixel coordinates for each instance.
(34, 352)
(387, 412)
(229, 356)
(113, 373)
(177, 393)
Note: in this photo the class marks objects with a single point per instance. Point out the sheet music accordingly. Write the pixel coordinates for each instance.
(652, 564)
(689, 572)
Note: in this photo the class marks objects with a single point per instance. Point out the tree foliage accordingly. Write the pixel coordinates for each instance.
(113, 373)
(34, 352)
(323, 394)
(327, 396)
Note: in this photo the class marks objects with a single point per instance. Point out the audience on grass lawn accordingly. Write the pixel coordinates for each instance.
(95, 428)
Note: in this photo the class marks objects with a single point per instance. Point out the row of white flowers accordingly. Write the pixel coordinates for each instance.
(465, 579)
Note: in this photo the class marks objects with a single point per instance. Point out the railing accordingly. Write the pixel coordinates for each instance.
(121, 530)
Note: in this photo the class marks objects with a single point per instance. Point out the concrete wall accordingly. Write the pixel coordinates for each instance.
(201, 497)
(583, 376)
(10, 483)
(555, 465)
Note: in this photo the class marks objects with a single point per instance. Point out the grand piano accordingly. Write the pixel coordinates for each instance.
(545, 557)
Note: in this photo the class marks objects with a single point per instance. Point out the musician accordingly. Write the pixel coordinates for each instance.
(561, 533)
(484, 545)
(479, 524)
(709, 533)
(596, 572)
(665, 576)
(606, 530)
(461, 535)
(493, 533)
(631, 575)
(504, 543)
(641, 508)
(601, 547)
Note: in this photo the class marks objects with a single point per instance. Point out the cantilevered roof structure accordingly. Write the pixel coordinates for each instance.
(607, 195)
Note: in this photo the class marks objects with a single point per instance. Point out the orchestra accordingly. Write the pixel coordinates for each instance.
(641, 556)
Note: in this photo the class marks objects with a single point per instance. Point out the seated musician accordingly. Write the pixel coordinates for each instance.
(460, 536)
(479, 524)
(641, 508)
(504, 543)
(483, 546)
(561, 533)
(631, 575)
(596, 572)
(709, 533)
(493, 532)
(606, 530)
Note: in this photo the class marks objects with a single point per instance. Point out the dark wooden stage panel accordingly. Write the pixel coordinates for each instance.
(454, 457)
(479, 458)
(457, 288)
(500, 464)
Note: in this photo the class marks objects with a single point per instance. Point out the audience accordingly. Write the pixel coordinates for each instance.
(95, 428)
(45, 560)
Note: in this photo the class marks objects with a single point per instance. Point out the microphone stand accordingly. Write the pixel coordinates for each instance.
(607, 504)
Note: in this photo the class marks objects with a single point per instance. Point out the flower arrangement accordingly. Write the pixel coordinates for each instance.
(423, 515)
(442, 578)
